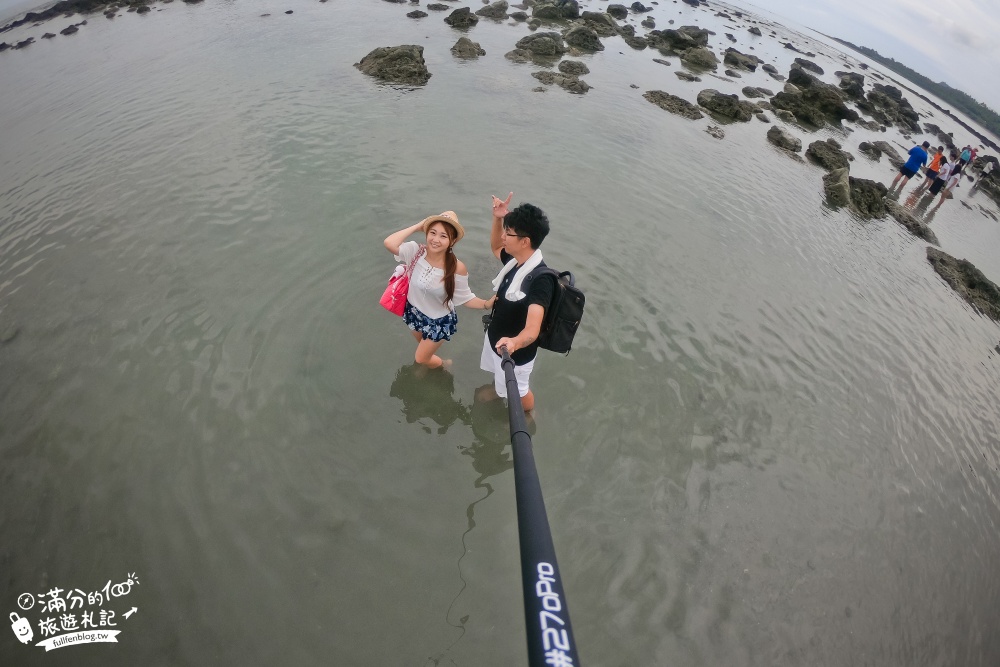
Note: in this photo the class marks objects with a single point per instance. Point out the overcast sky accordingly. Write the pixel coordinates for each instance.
(955, 41)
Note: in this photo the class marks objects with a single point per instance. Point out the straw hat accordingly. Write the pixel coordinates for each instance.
(448, 217)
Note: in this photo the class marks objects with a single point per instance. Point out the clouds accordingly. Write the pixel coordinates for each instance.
(957, 40)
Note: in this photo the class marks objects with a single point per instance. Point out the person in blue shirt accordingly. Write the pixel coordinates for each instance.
(918, 158)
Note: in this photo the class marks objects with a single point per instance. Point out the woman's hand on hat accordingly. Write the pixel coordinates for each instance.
(500, 205)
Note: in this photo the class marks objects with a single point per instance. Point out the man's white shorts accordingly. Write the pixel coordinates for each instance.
(491, 363)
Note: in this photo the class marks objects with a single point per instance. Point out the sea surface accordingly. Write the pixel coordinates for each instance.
(774, 442)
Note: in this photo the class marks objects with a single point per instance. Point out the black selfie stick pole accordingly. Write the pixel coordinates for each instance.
(546, 615)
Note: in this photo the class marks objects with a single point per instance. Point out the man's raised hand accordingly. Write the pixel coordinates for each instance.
(500, 205)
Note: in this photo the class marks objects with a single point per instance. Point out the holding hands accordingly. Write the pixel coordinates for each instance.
(500, 205)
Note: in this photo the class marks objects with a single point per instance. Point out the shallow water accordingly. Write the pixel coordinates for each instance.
(773, 444)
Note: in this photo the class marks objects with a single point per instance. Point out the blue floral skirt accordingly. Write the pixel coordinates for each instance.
(443, 328)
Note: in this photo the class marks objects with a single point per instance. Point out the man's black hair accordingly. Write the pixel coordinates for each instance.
(926, 144)
(530, 221)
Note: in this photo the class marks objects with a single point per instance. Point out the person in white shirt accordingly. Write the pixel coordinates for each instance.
(438, 283)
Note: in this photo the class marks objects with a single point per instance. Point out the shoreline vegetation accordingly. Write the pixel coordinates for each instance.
(971, 107)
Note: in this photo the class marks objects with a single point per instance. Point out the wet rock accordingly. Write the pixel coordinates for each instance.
(519, 16)
(914, 225)
(398, 64)
(679, 40)
(602, 23)
(416, 14)
(769, 68)
(766, 106)
(48, 35)
(563, 9)
(734, 74)
(648, 23)
(519, 56)
(701, 58)
(784, 139)
(895, 159)
(870, 150)
(573, 68)
(815, 102)
(69, 30)
(853, 85)
(465, 48)
(867, 197)
(142, 9)
(462, 18)
(762, 117)
(543, 44)
(887, 105)
(570, 83)
(583, 38)
(685, 76)
(639, 8)
(715, 131)
(618, 11)
(731, 37)
(729, 106)
(496, 11)
(809, 65)
(755, 31)
(755, 92)
(662, 61)
(970, 283)
(837, 187)
(786, 116)
(828, 155)
(673, 104)
(741, 60)
(437, 7)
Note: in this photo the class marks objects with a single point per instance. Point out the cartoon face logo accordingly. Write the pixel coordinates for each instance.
(21, 628)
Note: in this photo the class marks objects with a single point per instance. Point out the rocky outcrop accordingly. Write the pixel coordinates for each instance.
(852, 84)
(563, 9)
(673, 104)
(571, 83)
(741, 60)
(700, 58)
(496, 11)
(602, 23)
(618, 11)
(687, 76)
(809, 65)
(912, 224)
(755, 92)
(679, 40)
(754, 31)
(828, 155)
(784, 139)
(813, 101)
(730, 106)
(970, 283)
(398, 64)
(887, 105)
(837, 186)
(583, 38)
(543, 44)
(573, 68)
(870, 150)
(462, 19)
(466, 48)
(895, 159)
(867, 197)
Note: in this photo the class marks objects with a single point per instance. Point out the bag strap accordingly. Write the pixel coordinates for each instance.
(413, 262)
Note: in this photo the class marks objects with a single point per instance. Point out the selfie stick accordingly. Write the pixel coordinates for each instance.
(546, 615)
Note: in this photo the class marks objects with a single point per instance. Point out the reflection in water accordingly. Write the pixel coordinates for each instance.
(920, 207)
(492, 434)
(427, 394)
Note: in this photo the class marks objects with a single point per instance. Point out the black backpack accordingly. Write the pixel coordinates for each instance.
(562, 317)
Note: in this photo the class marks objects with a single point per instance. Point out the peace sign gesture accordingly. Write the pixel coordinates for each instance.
(500, 206)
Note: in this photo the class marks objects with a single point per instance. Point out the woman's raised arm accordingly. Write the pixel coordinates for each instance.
(394, 240)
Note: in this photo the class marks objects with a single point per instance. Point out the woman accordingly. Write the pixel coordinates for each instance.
(439, 282)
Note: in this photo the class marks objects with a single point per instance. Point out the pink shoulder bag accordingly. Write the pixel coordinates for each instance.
(394, 297)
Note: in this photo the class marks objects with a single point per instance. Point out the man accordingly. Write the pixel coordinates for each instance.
(521, 301)
(918, 158)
